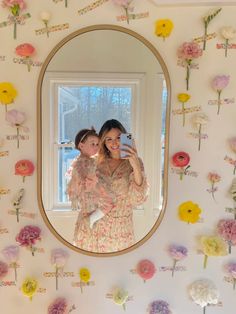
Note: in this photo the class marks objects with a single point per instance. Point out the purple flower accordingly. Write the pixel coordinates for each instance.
(59, 306)
(11, 253)
(159, 307)
(3, 269)
(178, 252)
(218, 84)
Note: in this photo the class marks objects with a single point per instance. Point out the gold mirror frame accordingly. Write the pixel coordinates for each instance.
(39, 136)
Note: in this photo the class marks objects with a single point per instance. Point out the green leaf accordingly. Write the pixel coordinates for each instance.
(211, 16)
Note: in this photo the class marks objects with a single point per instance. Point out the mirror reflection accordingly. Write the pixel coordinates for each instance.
(103, 81)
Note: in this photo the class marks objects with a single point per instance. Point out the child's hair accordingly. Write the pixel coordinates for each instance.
(83, 134)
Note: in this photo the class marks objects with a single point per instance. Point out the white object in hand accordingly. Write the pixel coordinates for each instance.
(95, 216)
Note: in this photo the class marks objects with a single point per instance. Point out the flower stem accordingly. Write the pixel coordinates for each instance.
(46, 26)
(66, 3)
(205, 261)
(17, 214)
(212, 191)
(28, 61)
(187, 76)
(205, 37)
(229, 244)
(15, 271)
(124, 307)
(226, 47)
(204, 310)
(173, 268)
(56, 278)
(199, 137)
(219, 101)
(14, 31)
(127, 14)
(183, 109)
(234, 283)
(18, 137)
(81, 286)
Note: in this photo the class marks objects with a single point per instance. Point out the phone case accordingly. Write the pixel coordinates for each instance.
(125, 138)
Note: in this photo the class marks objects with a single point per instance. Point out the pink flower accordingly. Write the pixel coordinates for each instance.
(26, 51)
(125, 5)
(59, 306)
(230, 268)
(11, 253)
(177, 252)
(28, 236)
(189, 51)
(13, 3)
(145, 269)
(218, 84)
(213, 178)
(227, 230)
(3, 269)
(180, 160)
(24, 168)
(58, 259)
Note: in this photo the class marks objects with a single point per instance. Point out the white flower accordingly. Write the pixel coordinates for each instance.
(200, 118)
(120, 296)
(228, 32)
(45, 16)
(204, 292)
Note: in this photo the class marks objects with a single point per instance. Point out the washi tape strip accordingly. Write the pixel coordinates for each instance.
(132, 16)
(187, 110)
(17, 137)
(197, 135)
(223, 46)
(2, 58)
(92, 6)
(51, 29)
(170, 268)
(27, 61)
(7, 283)
(230, 210)
(187, 172)
(4, 191)
(3, 230)
(183, 64)
(22, 214)
(60, 274)
(3, 154)
(110, 296)
(15, 19)
(224, 101)
(83, 284)
(205, 37)
(230, 160)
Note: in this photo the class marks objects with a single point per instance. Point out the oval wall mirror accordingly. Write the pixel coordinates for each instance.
(95, 74)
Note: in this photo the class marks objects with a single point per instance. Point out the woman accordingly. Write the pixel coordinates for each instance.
(110, 228)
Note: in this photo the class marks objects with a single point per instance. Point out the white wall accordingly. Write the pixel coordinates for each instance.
(112, 271)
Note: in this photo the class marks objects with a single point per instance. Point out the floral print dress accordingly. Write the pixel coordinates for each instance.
(117, 197)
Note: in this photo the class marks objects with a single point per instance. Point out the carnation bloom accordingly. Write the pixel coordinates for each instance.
(29, 287)
(58, 306)
(189, 212)
(8, 93)
(226, 228)
(218, 84)
(212, 246)
(159, 307)
(204, 292)
(230, 268)
(163, 28)
(3, 269)
(177, 252)
(145, 269)
(28, 236)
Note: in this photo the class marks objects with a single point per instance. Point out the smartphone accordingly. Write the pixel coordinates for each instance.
(125, 138)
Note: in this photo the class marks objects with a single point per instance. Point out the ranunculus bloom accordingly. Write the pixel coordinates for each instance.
(212, 246)
(24, 168)
(7, 93)
(25, 50)
(180, 159)
(163, 28)
(189, 212)
(45, 16)
(84, 274)
(189, 51)
(145, 269)
(59, 306)
(3, 269)
(15, 117)
(227, 230)
(177, 252)
(200, 118)
(59, 257)
(220, 82)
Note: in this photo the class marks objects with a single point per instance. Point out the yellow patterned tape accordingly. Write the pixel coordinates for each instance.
(15, 19)
(26, 61)
(91, 6)
(64, 274)
(3, 230)
(183, 64)
(82, 284)
(22, 214)
(222, 101)
(4, 191)
(51, 29)
(203, 38)
(197, 135)
(3, 154)
(136, 16)
(186, 110)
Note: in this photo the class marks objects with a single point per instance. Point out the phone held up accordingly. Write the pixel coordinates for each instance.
(125, 139)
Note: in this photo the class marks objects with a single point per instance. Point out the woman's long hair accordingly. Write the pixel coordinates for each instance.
(107, 126)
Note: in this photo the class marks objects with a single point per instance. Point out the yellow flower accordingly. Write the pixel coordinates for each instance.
(182, 97)
(7, 93)
(189, 212)
(163, 28)
(84, 274)
(213, 246)
(29, 287)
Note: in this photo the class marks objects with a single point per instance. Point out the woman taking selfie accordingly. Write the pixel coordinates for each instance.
(124, 181)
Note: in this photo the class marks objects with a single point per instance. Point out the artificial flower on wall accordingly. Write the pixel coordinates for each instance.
(26, 51)
(3, 270)
(177, 253)
(226, 229)
(45, 17)
(59, 258)
(125, 5)
(16, 202)
(145, 269)
(228, 33)
(203, 292)
(189, 212)
(2, 143)
(232, 193)
(8, 94)
(28, 236)
(163, 28)
(181, 160)
(84, 275)
(29, 287)
(183, 98)
(16, 119)
(212, 246)
(119, 296)
(230, 269)
(218, 84)
(60, 306)
(24, 168)
(159, 307)
(11, 254)
(214, 178)
(206, 20)
(199, 121)
(15, 7)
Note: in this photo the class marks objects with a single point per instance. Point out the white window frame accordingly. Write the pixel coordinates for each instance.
(50, 122)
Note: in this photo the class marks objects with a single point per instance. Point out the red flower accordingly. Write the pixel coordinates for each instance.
(180, 159)
(24, 168)
(146, 269)
(25, 50)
